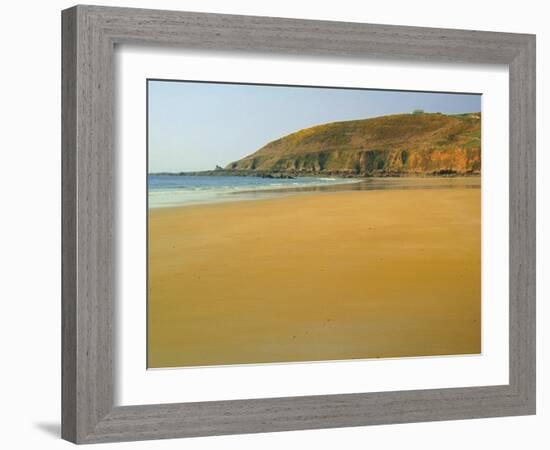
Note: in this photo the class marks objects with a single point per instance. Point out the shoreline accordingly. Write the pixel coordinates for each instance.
(325, 184)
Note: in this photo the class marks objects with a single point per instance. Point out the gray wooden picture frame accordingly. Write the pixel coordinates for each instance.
(89, 36)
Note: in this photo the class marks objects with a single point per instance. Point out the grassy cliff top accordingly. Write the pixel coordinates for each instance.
(419, 132)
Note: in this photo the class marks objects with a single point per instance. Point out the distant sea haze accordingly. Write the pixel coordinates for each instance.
(173, 190)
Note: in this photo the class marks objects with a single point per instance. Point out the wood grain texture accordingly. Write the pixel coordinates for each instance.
(68, 224)
(523, 224)
(89, 36)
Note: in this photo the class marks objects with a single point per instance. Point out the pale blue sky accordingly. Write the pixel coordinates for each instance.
(195, 125)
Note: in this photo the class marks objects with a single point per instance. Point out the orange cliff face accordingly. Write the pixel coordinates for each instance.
(403, 144)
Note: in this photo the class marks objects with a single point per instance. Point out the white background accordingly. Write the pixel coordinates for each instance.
(138, 386)
(30, 226)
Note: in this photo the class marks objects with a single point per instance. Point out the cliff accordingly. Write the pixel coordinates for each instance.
(402, 144)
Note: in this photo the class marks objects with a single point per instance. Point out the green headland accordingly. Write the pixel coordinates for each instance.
(417, 144)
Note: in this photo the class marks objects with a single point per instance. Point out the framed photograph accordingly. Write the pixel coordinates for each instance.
(277, 224)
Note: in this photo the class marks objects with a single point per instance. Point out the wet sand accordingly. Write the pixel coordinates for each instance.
(317, 276)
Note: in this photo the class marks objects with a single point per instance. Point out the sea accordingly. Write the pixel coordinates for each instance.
(174, 190)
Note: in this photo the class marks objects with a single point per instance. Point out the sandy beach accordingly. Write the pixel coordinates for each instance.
(315, 276)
